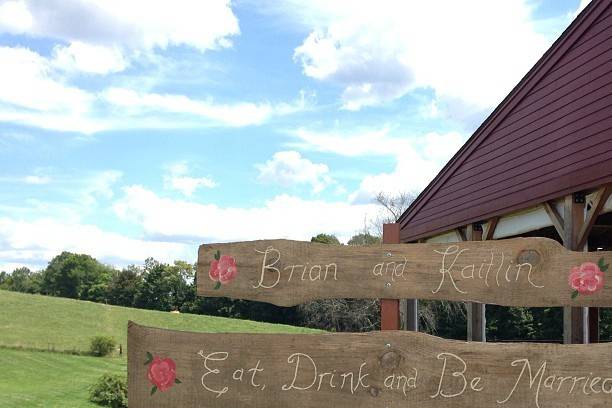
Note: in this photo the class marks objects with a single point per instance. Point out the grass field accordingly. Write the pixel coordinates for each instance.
(31, 379)
(43, 322)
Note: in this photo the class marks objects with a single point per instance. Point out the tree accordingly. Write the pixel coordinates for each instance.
(163, 286)
(22, 280)
(123, 288)
(395, 205)
(76, 276)
(325, 239)
(364, 239)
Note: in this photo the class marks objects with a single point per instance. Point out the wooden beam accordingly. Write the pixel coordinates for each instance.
(390, 308)
(490, 231)
(575, 319)
(476, 317)
(555, 217)
(460, 235)
(598, 203)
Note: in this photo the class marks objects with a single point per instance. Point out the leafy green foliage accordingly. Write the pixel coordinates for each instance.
(110, 391)
(21, 280)
(364, 239)
(124, 285)
(101, 346)
(76, 276)
(325, 239)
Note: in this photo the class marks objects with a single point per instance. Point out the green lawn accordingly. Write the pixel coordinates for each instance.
(42, 322)
(31, 379)
(44, 379)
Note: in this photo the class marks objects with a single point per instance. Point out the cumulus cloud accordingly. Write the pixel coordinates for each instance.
(34, 243)
(93, 59)
(27, 81)
(116, 29)
(289, 167)
(472, 51)
(283, 216)
(418, 157)
(178, 179)
(33, 92)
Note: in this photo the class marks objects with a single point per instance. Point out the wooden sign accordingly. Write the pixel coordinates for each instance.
(169, 369)
(514, 272)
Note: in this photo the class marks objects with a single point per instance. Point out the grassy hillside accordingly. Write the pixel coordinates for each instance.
(30, 379)
(42, 322)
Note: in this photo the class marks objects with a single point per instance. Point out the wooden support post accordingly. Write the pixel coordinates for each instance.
(575, 319)
(390, 308)
(476, 319)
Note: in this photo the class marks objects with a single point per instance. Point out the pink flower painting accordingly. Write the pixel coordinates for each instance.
(222, 270)
(161, 373)
(587, 278)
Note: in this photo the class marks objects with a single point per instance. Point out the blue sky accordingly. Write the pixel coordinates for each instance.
(132, 128)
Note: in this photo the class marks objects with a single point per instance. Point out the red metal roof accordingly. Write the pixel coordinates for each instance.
(551, 136)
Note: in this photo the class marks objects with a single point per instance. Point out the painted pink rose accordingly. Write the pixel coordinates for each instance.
(586, 279)
(213, 272)
(162, 373)
(227, 269)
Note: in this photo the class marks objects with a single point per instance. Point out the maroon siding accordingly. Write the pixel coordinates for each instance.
(551, 136)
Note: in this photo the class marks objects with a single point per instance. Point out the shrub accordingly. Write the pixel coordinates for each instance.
(109, 391)
(102, 346)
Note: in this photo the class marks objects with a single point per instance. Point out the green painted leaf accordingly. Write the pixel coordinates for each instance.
(601, 263)
(149, 358)
(604, 268)
(153, 390)
(218, 255)
(574, 294)
(217, 285)
(177, 381)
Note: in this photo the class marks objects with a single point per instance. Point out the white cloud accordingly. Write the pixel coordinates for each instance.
(38, 180)
(474, 51)
(289, 167)
(100, 185)
(283, 216)
(93, 59)
(34, 243)
(418, 157)
(581, 6)
(33, 92)
(15, 17)
(116, 29)
(178, 179)
(27, 81)
(238, 114)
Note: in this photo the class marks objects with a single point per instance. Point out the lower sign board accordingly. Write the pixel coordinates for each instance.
(380, 369)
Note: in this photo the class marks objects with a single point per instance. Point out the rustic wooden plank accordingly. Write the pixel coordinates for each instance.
(378, 369)
(516, 272)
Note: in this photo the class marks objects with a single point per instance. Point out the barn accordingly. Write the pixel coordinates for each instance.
(539, 165)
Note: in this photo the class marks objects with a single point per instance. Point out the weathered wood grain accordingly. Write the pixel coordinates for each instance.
(379, 369)
(514, 272)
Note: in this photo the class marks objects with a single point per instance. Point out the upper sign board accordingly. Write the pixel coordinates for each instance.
(513, 272)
